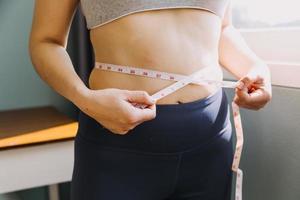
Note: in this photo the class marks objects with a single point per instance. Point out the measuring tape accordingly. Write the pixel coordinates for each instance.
(181, 81)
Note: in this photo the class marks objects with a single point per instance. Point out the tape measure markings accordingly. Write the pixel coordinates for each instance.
(160, 74)
(181, 81)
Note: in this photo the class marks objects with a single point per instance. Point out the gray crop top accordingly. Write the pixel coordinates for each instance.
(99, 12)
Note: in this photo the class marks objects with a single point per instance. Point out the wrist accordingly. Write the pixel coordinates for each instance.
(261, 69)
(80, 94)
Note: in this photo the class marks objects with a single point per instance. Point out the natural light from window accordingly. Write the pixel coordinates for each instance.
(272, 28)
(266, 13)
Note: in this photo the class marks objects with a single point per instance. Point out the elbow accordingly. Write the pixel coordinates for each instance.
(32, 46)
(35, 51)
(36, 40)
(37, 47)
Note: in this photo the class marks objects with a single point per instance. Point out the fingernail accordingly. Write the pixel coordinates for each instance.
(153, 100)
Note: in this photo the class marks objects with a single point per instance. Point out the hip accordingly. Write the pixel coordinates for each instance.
(176, 127)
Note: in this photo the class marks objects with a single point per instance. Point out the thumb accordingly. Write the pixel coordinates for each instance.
(244, 83)
(141, 97)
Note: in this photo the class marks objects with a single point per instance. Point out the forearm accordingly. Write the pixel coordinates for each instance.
(237, 57)
(52, 62)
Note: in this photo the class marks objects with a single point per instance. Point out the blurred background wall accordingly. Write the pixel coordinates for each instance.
(271, 156)
(20, 86)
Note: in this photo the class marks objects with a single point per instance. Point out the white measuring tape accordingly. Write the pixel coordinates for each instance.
(181, 81)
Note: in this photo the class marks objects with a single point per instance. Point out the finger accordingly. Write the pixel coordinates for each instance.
(249, 80)
(244, 83)
(259, 79)
(242, 104)
(242, 96)
(146, 113)
(141, 97)
(256, 100)
(259, 97)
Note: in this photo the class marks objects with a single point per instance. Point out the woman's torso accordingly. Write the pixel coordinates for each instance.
(180, 41)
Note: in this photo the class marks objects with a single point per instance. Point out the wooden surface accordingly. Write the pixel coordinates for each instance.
(34, 125)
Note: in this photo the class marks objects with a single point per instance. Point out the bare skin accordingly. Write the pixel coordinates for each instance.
(174, 40)
(165, 40)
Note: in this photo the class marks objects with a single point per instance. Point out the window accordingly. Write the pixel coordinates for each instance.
(266, 13)
(272, 29)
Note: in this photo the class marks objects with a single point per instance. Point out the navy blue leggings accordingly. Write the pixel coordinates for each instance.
(185, 153)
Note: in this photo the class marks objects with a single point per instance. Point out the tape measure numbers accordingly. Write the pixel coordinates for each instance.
(181, 81)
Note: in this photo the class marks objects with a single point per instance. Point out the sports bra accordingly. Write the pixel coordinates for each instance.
(100, 12)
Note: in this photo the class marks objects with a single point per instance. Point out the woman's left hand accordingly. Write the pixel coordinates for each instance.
(253, 92)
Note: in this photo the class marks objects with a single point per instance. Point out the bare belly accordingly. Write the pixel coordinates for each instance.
(180, 41)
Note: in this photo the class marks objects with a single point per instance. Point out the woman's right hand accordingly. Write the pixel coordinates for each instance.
(113, 108)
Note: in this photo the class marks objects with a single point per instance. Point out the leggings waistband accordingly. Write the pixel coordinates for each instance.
(176, 127)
